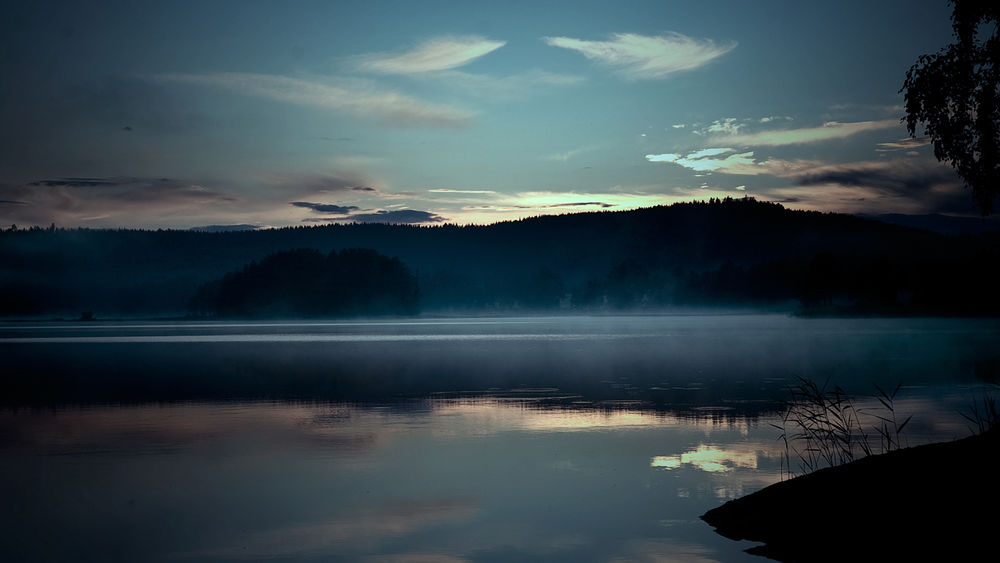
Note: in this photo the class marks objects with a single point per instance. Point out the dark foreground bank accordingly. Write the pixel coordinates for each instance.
(931, 502)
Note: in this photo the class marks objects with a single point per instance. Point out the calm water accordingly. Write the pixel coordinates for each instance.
(545, 439)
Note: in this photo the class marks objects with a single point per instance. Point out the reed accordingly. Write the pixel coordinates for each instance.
(983, 414)
(824, 427)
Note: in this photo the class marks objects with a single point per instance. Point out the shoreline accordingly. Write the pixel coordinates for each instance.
(935, 500)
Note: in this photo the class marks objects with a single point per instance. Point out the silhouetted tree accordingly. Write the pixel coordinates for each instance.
(955, 94)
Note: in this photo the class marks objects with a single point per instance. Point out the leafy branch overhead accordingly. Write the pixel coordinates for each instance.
(954, 93)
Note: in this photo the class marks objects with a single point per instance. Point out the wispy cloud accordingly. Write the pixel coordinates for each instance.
(440, 53)
(451, 191)
(74, 200)
(566, 155)
(647, 57)
(321, 183)
(907, 144)
(730, 161)
(352, 96)
(727, 126)
(828, 131)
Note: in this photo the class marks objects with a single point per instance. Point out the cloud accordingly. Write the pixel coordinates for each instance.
(451, 191)
(338, 182)
(398, 217)
(701, 161)
(75, 182)
(828, 131)
(647, 57)
(440, 53)
(727, 126)
(582, 204)
(326, 207)
(73, 200)
(565, 156)
(737, 163)
(900, 176)
(908, 143)
(904, 185)
(355, 97)
(512, 206)
(542, 201)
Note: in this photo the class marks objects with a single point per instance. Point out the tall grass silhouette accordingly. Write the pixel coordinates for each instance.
(824, 427)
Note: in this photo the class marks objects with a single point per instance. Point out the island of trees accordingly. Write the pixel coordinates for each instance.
(307, 283)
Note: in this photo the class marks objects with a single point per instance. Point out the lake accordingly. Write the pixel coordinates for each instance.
(432, 439)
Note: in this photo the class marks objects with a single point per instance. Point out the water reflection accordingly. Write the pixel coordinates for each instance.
(708, 458)
(450, 479)
(496, 440)
(438, 479)
(366, 526)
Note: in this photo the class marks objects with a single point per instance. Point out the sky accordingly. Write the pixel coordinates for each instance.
(189, 114)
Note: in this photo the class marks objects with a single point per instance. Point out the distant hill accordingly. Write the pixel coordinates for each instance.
(732, 252)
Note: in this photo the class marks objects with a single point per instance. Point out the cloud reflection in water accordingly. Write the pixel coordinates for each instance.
(708, 458)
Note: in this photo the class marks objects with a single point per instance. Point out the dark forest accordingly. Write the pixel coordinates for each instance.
(722, 253)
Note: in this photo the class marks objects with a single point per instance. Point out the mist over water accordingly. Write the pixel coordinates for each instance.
(662, 359)
(460, 439)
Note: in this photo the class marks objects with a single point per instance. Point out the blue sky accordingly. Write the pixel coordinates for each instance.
(177, 114)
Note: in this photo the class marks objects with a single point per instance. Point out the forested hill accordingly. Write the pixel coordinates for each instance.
(728, 252)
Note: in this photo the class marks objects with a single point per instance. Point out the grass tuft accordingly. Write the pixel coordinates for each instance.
(823, 427)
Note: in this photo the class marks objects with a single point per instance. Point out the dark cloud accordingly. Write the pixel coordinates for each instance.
(12, 202)
(898, 177)
(399, 216)
(916, 185)
(75, 182)
(326, 207)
